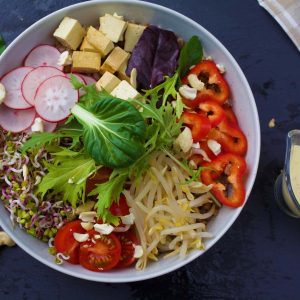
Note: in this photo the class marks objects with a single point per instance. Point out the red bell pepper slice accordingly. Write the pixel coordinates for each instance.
(225, 173)
(216, 87)
(213, 111)
(231, 138)
(199, 125)
(230, 116)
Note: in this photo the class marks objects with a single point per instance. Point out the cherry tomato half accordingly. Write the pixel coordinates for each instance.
(121, 208)
(102, 255)
(101, 176)
(127, 239)
(65, 243)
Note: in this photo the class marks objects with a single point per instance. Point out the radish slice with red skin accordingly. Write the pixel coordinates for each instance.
(55, 98)
(12, 82)
(43, 55)
(34, 78)
(88, 80)
(15, 120)
(49, 126)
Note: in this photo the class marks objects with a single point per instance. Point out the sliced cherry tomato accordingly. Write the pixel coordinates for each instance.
(121, 208)
(65, 243)
(102, 255)
(230, 116)
(199, 125)
(101, 176)
(231, 138)
(213, 111)
(225, 173)
(216, 87)
(127, 239)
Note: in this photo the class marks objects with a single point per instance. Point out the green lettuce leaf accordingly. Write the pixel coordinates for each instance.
(113, 131)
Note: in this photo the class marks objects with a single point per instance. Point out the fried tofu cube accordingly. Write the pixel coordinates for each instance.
(125, 91)
(69, 33)
(122, 72)
(132, 35)
(107, 82)
(113, 27)
(98, 40)
(86, 62)
(115, 60)
(86, 46)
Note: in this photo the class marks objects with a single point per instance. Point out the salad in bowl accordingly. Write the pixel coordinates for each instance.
(121, 145)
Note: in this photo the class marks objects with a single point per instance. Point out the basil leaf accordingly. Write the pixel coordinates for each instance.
(2, 44)
(113, 131)
(190, 54)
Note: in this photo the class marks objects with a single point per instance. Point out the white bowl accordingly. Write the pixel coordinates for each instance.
(244, 105)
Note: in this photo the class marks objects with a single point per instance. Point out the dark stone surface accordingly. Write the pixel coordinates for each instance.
(259, 257)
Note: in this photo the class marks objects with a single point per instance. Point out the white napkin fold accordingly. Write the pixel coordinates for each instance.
(287, 14)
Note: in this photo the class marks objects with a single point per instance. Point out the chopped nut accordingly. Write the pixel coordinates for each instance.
(195, 82)
(272, 123)
(133, 76)
(185, 140)
(5, 239)
(65, 59)
(188, 92)
(81, 237)
(2, 93)
(104, 228)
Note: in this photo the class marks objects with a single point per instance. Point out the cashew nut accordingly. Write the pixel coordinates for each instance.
(133, 76)
(214, 146)
(185, 140)
(188, 92)
(2, 92)
(65, 59)
(5, 240)
(195, 82)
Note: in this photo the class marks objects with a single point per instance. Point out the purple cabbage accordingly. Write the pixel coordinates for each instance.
(154, 56)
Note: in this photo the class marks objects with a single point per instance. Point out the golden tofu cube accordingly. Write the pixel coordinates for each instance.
(132, 35)
(69, 33)
(86, 62)
(121, 73)
(107, 82)
(86, 46)
(99, 41)
(124, 91)
(115, 60)
(113, 27)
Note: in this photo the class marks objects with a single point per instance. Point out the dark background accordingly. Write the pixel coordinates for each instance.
(259, 257)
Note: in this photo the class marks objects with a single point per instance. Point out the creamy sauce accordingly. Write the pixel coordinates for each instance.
(295, 182)
(295, 171)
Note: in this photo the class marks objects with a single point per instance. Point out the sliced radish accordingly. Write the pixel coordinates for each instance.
(34, 78)
(55, 98)
(43, 55)
(81, 79)
(13, 82)
(15, 120)
(49, 126)
(88, 80)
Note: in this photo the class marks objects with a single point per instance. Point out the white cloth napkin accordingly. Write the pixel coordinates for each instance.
(287, 14)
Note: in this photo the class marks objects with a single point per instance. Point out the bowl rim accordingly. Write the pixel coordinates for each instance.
(251, 179)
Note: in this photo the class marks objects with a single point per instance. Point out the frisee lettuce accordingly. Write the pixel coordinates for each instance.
(67, 176)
